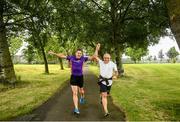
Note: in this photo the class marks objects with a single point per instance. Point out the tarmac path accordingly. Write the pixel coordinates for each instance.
(60, 106)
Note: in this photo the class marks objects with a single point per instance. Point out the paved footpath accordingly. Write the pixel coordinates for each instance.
(60, 106)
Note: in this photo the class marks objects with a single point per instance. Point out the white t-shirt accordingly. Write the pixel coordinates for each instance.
(106, 70)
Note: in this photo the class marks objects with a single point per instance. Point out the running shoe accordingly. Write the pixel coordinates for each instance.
(106, 114)
(82, 100)
(76, 111)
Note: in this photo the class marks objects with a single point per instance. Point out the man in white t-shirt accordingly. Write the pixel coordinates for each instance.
(108, 71)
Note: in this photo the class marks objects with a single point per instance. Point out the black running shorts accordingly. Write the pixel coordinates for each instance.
(77, 81)
(105, 88)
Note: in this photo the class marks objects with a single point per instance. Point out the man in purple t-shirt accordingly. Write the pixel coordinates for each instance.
(76, 79)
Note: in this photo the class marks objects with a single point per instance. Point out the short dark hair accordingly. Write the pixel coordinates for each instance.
(79, 50)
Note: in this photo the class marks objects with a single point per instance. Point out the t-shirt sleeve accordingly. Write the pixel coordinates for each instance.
(85, 58)
(100, 61)
(115, 67)
(69, 58)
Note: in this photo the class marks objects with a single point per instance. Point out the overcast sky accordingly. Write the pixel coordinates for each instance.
(165, 44)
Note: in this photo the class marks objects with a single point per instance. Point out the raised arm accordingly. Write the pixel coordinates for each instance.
(60, 55)
(95, 56)
(97, 49)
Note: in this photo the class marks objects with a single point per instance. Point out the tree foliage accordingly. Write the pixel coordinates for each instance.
(29, 53)
(116, 24)
(172, 54)
(15, 44)
(136, 53)
(160, 55)
(119, 24)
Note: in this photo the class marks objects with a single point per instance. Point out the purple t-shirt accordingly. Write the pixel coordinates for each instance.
(77, 64)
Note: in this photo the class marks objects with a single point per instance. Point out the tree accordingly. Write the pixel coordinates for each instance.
(155, 58)
(11, 20)
(172, 54)
(173, 8)
(149, 58)
(29, 53)
(136, 53)
(37, 24)
(6, 61)
(67, 27)
(160, 55)
(54, 45)
(1, 71)
(118, 24)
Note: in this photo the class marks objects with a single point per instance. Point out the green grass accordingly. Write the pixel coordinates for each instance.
(34, 89)
(148, 91)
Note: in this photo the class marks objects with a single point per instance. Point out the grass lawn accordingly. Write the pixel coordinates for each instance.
(34, 88)
(148, 91)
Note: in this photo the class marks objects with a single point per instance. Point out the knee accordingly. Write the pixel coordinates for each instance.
(75, 93)
(104, 95)
(82, 91)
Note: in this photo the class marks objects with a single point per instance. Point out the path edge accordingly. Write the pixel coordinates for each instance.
(120, 108)
(57, 91)
(114, 103)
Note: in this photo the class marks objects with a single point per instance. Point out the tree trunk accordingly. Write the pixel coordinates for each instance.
(114, 22)
(61, 63)
(43, 53)
(69, 64)
(173, 7)
(6, 61)
(1, 72)
(118, 59)
(45, 60)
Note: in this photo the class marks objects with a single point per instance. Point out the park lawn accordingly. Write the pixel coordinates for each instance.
(34, 89)
(149, 92)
